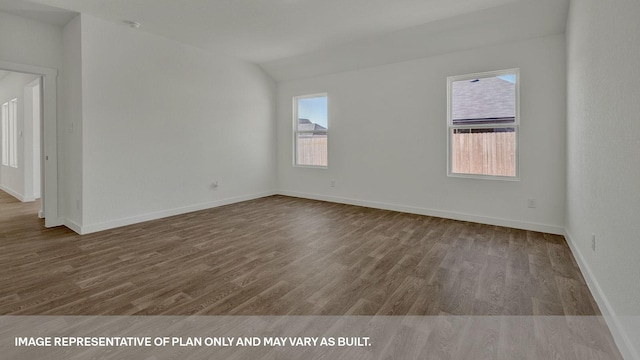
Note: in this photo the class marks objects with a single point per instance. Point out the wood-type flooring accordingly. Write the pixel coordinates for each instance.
(281, 255)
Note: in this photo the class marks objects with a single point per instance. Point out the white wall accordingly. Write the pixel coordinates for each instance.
(603, 142)
(30, 42)
(71, 125)
(13, 180)
(387, 138)
(161, 121)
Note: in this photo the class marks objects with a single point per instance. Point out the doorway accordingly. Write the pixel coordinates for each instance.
(40, 122)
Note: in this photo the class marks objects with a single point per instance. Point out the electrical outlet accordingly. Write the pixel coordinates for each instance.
(531, 203)
(332, 183)
(593, 242)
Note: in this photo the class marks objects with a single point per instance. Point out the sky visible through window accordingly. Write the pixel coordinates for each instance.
(314, 109)
(510, 78)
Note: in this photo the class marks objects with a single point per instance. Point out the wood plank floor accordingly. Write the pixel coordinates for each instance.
(281, 255)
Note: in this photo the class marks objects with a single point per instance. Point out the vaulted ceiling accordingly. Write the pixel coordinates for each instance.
(3, 74)
(279, 33)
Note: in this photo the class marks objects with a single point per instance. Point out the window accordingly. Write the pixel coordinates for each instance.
(10, 133)
(482, 125)
(13, 133)
(5, 134)
(310, 130)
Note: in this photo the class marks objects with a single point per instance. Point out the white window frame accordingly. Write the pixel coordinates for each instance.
(515, 124)
(296, 132)
(13, 133)
(5, 134)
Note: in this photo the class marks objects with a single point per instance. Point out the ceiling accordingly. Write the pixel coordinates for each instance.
(492, 26)
(311, 35)
(43, 13)
(266, 30)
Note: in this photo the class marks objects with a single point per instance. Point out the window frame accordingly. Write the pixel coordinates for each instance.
(5, 134)
(13, 133)
(296, 132)
(515, 125)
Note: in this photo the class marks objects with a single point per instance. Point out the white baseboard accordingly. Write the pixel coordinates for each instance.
(17, 195)
(13, 193)
(625, 345)
(550, 229)
(91, 228)
(72, 225)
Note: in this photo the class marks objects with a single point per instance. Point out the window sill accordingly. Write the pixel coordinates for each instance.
(484, 177)
(311, 166)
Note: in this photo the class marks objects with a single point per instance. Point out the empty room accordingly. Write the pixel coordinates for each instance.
(299, 179)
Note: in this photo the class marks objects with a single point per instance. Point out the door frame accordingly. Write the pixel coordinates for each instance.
(49, 149)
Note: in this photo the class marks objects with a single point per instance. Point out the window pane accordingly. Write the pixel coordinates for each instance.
(5, 134)
(311, 149)
(487, 100)
(13, 133)
(312, 113)
(311, 130)
(484, 151)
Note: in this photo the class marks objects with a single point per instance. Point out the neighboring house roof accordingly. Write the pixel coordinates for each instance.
(307, 125)
(485, 98)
